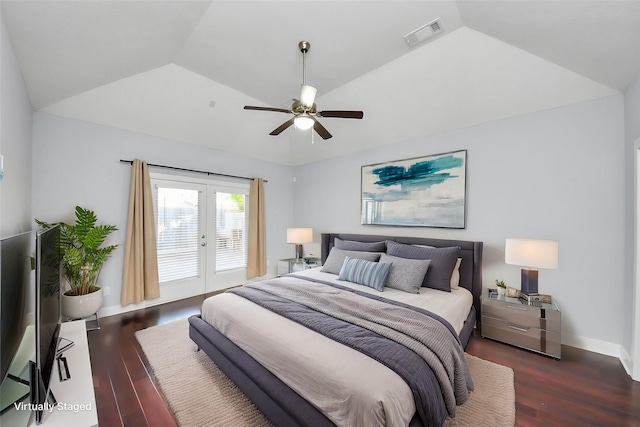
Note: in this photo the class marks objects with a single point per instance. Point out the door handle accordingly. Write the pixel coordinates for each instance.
(203, 244)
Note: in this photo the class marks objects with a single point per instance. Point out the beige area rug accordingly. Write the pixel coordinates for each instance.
(199, 394)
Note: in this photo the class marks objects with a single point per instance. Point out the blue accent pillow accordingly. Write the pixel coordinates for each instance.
(363, 272)
(443, 261)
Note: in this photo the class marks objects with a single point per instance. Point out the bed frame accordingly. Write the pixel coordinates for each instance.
(282, 405)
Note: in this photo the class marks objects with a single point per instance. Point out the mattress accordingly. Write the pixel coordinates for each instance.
(347, 386)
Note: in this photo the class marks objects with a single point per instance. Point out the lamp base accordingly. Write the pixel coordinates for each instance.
(299, 252)
(529, 281)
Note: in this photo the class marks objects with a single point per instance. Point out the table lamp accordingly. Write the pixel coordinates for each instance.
(531, 254)
(298, 236)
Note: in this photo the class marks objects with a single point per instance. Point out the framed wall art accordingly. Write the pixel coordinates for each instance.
(425, 191)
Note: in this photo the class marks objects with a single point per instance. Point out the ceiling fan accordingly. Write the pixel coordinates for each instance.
(304, 109)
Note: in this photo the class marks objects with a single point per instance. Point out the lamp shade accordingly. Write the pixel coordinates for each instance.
(531, 253)
(299, 235)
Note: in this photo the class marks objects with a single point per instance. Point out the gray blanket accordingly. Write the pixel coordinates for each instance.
(421, 349)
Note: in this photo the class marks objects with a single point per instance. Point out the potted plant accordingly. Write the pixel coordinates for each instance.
(83, 253)
(502, 287)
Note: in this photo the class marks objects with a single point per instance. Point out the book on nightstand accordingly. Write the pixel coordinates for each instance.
(534, 298)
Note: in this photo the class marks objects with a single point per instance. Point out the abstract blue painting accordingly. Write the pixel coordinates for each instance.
(424, 192)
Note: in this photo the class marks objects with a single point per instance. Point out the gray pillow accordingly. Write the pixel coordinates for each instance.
(406, 274)
(443, 261)
(336, 258)
(363, 272)
(352, 245)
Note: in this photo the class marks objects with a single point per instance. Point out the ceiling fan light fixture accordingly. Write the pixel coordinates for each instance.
(304, 110)
(307, 95)
(303, 122)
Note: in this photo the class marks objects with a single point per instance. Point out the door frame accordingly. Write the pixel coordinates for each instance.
(212, 281)
(635, 325)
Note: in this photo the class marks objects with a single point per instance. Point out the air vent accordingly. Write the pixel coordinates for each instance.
(423, 33)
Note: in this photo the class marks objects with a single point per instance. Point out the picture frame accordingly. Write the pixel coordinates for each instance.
(427, 191)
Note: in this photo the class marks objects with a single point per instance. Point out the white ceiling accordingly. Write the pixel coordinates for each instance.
(184, 69)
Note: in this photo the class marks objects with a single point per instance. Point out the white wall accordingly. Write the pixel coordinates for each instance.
(78, 163)
(15, 143)
(556, 174)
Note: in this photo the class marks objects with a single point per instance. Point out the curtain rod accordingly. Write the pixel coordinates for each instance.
(190, 170)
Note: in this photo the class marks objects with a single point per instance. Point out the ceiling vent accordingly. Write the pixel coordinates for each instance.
(423, 33)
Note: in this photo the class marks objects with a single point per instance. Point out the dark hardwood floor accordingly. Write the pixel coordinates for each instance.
(582, 389)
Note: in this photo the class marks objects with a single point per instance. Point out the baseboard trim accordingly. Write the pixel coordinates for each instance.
(626, 360)
(601, 347)
(591, 344)
(113, 310)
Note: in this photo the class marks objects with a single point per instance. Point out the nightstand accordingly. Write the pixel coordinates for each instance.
(512, 321)
(291, 265)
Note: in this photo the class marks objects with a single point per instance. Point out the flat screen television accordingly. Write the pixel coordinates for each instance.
(16, 313)
(47, 312)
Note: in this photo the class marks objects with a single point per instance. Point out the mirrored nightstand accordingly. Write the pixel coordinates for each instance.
(291, 265)
(533, 327)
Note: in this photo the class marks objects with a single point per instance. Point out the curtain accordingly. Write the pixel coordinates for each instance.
(257, 254)
(140, 277)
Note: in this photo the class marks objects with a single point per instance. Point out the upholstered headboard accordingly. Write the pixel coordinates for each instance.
(470, 252)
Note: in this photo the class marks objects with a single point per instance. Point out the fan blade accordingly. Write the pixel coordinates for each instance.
(282, 127)
(278, 110)
(307, 95)
(341, 114)
(324, 133)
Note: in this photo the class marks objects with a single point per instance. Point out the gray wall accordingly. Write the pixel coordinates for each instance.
(15, 143)
(556, 174)
(78, 163)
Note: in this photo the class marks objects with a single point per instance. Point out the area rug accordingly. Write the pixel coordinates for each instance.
(199, 394)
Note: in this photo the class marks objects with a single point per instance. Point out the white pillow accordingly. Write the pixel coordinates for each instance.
(455, 276)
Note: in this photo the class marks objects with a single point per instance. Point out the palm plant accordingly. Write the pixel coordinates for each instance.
(82, 252)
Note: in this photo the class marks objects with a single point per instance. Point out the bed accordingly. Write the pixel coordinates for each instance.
(306, 387)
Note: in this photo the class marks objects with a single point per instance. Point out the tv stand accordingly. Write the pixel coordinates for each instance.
(76, 399)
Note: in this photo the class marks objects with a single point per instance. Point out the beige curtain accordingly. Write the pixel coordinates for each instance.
(257, 256)
(140, 278)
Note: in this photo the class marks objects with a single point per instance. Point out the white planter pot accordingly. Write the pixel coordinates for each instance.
(501, 291)
(78, 307)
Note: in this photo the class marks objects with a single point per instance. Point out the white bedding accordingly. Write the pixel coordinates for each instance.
(348, 387)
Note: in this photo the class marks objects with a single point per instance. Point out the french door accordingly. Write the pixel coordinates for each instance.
(181, 238)
(201, 232)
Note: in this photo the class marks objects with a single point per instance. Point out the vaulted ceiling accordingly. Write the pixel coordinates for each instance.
(183, 70)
